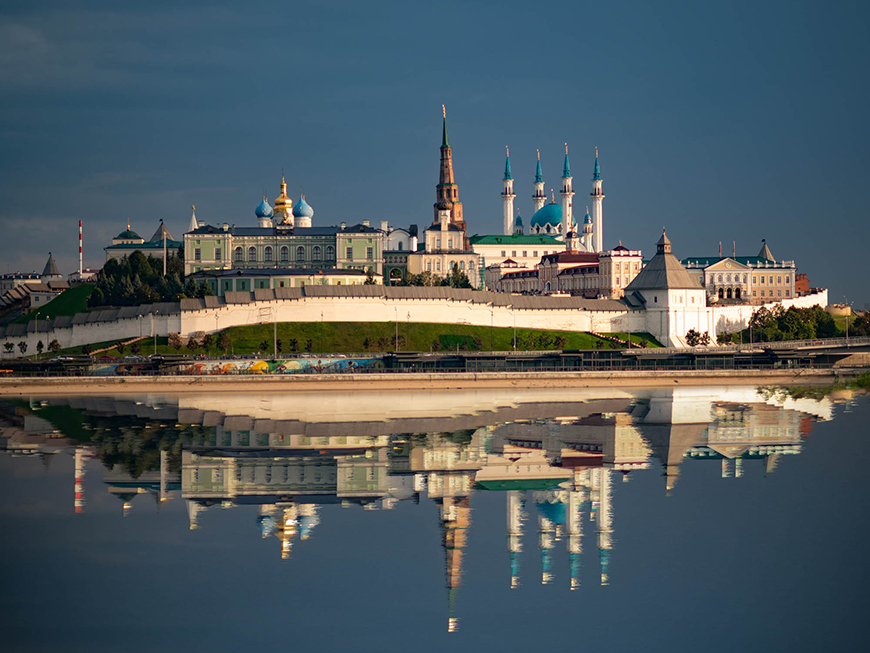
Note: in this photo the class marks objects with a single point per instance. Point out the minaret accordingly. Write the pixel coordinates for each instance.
(193, 225)
(588, 237)
(567, 194)
(515, 507)
(508, 196)
(539, 198)
(447, 190)
(597, 197)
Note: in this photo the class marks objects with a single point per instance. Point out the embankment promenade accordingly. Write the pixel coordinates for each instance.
(396, 382)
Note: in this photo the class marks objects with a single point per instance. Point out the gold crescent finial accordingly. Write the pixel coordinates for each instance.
(566, 148)
(193, 208)
(552, 196)
(444, 110)
(539, 154)
(507, 150)
(596, 151)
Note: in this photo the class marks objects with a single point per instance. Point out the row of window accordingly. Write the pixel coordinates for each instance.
(370, 253)
(450, 265)
(525, 253)
(770, 293)
(755, 280)
(284, 254)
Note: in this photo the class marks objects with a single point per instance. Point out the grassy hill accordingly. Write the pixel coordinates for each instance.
(69, 302)
(362, 337)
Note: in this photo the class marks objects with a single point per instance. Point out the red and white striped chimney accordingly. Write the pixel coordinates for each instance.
(80, 250)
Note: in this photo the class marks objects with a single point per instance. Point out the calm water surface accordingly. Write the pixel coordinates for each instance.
(713, 519)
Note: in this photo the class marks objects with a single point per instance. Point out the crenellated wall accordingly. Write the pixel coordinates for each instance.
(437, 305)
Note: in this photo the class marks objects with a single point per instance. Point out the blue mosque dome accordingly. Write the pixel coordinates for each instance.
(518, 221)
(264, 210)
(548, 214)
(303, 209)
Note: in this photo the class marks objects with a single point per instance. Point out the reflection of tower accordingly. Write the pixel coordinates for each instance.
(80, 472)
(308, 519)
(574, 523)
(605, 528)
(551, 517)
(455, 520)
(193, 510)
(516, 504)
(289, 528)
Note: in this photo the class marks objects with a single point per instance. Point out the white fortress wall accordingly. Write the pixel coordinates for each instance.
(668, 324)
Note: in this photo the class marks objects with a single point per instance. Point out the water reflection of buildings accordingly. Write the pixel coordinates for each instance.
(559, 456)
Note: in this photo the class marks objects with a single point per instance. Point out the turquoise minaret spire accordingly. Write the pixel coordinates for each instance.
(597, 196)
(596, 173)
(567, 194)
(508, 194)
(539, 198)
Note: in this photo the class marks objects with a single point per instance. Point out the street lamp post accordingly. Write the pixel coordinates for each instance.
(514, 315)
(36, 331)
(396, 309)
(491, 329)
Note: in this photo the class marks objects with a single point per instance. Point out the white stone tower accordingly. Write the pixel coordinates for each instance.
(588, 236)
(597, 198)
(508, 196)
(539, 198)
(567, 194)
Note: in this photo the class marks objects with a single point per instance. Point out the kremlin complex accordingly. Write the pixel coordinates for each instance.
(284, 250)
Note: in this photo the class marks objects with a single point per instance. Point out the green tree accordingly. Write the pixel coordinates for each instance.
(264, 346)
(22, 347)
(294, 345)
(309, 345)
(560, 342)
(458, 278)
(224, 342)
(693, 338)
(135, 347)
(175, 341)
(370, 277)
(190, 288)
(121, 347)
(704, 339)
(39, 347)
(97, 298)
(193, 344)
(8, 346)
(279, 345)
(207, 342)
(87, 349)
(204, 290)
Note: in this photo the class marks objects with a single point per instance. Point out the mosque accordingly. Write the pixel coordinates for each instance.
(557, 219)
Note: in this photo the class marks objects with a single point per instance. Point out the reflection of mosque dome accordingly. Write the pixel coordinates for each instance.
(303, 209)
(555, 512)
(264, 210)
(548, 214)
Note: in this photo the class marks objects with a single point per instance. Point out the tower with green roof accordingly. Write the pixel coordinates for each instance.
(597, 196)
(539, 198)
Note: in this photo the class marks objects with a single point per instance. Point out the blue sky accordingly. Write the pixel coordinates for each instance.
(723, 122)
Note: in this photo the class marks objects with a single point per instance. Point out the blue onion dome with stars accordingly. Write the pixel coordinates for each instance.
(303, 209)
(264, 210)
(548, 214)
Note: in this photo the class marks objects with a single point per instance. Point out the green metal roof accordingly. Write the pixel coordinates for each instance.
(705, 261)
(513, 240)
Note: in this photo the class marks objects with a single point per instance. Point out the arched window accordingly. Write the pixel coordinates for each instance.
(315, 253)
(285, 254)
(252, 254)
(720, 278)
(452, 264)
(300, 254)
(728, 295)
(267, 254)
(721, 294)
(330, 253)
(470, 266)
(462, 265)
(737, 293)
(728, 278)
(401, 246)
(238, 255)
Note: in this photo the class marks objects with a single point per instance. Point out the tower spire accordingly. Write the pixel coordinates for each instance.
(597, 209)
(444, 141)
(508, 194)
(566, 171)
(539, 197)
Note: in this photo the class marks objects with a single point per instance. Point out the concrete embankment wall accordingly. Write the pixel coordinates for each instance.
(403, 381)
